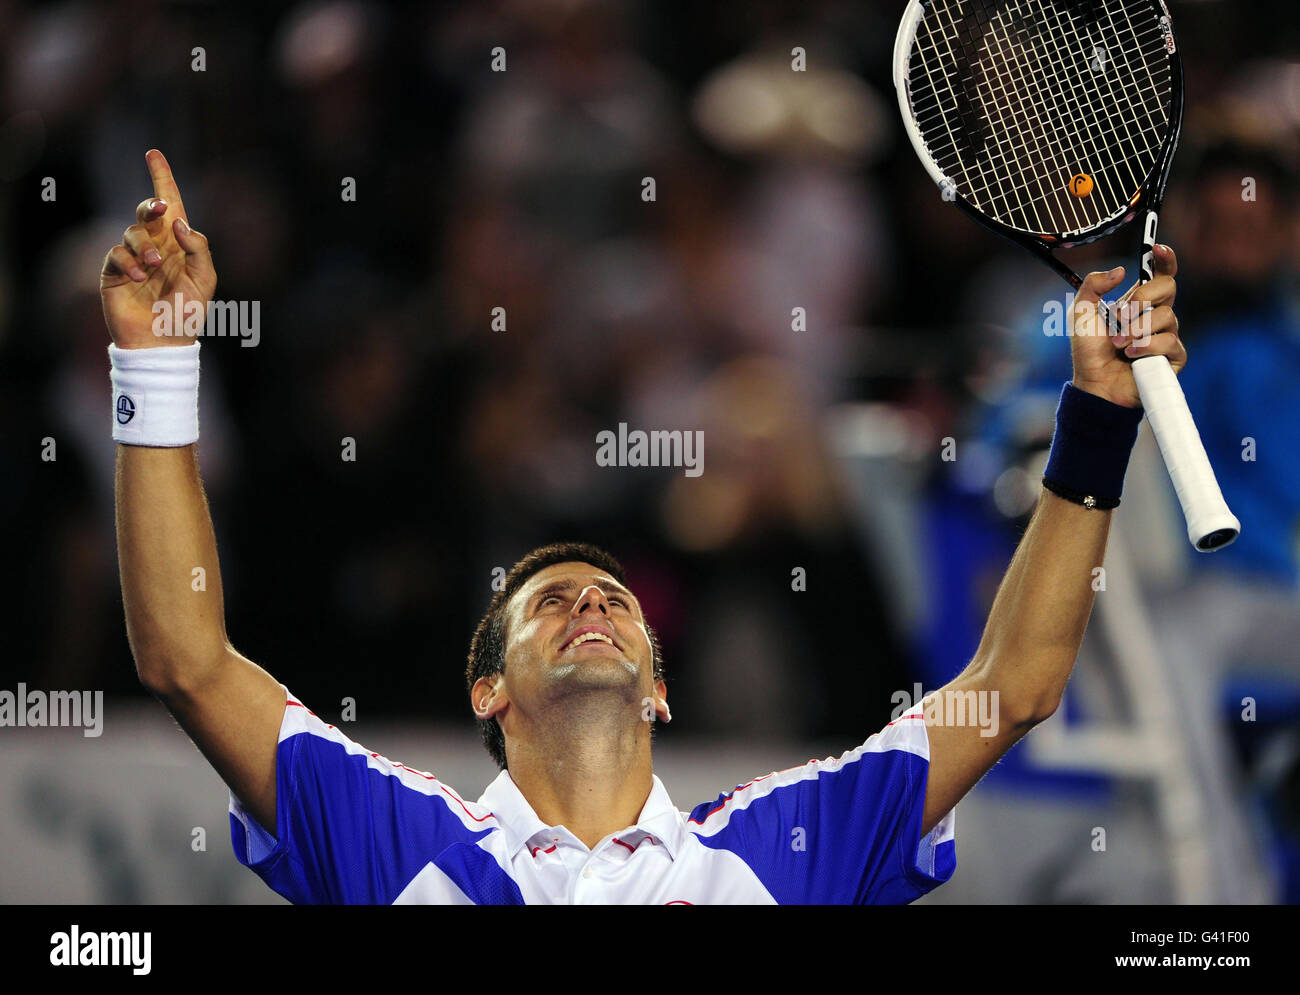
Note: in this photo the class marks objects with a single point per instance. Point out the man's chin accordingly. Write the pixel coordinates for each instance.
(604, 670)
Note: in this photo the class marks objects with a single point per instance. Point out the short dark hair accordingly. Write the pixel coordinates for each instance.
(487, 649)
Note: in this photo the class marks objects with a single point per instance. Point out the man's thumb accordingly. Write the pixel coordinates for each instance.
(1097, 285)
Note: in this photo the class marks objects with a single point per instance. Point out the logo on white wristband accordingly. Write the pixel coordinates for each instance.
(125, 409)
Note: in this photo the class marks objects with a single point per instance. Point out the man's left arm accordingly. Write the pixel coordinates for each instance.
(1041, 610)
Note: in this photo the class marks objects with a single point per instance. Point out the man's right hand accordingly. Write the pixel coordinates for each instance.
(159, 257)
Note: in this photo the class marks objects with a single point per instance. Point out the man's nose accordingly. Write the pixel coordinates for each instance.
(591, 597)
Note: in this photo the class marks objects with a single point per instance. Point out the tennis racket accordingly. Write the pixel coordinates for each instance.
(1054, 123)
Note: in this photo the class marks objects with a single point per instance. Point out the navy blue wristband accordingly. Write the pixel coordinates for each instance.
(1091, 448)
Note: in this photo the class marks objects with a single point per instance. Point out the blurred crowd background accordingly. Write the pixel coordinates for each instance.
(774, 190)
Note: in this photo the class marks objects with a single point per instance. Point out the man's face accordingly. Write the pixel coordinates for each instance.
(572, 629)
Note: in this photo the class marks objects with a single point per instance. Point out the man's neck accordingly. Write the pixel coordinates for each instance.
(594, 782)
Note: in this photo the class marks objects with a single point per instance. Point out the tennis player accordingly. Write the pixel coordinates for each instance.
(565, 676)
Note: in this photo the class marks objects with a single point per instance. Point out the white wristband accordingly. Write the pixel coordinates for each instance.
(155, 395)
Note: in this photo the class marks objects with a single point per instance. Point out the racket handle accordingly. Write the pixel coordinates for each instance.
(1210, 525)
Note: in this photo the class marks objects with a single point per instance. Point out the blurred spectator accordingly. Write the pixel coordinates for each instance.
(1243, 318)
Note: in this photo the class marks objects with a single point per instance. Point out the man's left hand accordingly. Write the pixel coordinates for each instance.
(1147, 327)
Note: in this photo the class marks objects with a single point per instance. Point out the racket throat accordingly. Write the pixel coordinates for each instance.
(1049, 260)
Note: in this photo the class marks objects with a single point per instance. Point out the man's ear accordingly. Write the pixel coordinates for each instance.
(488, 697)
(661, 702)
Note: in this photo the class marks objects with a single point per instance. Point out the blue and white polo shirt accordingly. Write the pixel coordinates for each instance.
(355, 827)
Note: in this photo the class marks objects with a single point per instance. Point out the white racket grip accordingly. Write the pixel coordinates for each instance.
(1210, 525)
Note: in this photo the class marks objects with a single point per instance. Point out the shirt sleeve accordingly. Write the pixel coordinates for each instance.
(843, 831)
(352, 826)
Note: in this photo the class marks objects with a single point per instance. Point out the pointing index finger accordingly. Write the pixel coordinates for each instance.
(164, 184)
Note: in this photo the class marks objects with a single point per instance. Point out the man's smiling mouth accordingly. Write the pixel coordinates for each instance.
(589, 634)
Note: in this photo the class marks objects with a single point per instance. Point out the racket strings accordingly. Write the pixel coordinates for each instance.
(1013, 98)
(1038, 146)
(1089, 126)
(1012, 82)
(1083, 125)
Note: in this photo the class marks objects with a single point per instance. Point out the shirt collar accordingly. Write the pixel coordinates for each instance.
(659, 818)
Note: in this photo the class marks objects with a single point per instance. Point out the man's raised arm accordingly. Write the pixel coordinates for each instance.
(1041, 610)
(229, 706)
